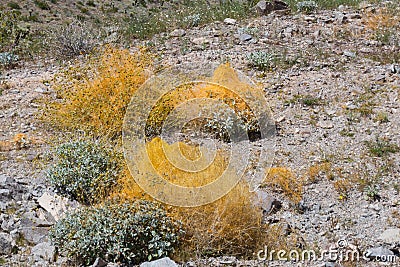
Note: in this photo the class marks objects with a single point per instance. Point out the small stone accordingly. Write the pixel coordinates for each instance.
(35, 235)
(349, 54)
(355, 16)
(5, 243)
(325, 124)
(44, 251)
(201, 41)
(230, 21)
(177, 33)
(310, 19)
(373, 253)
(245, 37)
(332, 264)
(164, 262)
(330, 112)
(40, 90)
(280, 119)
(6, 181)
(263, 8)
(340, 17)
(390, 236)
(99, 262)
(316, 33)
(380, 78)
(268, 204)
(395, 68)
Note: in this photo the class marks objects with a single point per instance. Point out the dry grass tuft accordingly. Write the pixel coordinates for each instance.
(315, 171)
(381, 19)
(285, 181)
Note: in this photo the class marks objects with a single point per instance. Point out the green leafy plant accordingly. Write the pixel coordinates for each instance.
(307, 6)
(261, 60)
(381, 147)
(42, 4)
(13, 5)
(130, 233)
(85, 171)
(372, 192)
(12, 30)
(311, 101)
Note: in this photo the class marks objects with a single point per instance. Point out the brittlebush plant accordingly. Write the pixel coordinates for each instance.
(94, 97)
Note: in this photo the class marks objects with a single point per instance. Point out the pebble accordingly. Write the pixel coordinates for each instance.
(349, 54)
(230, 21)
(325, 124)
(245, 37)
(177, 33)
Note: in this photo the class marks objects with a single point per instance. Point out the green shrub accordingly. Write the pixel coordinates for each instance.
(307, 6)
(90, 3)
(85, 171)
(13, 5)
(261, 60)
(74, 39)
(12, 30)
(129, 233)
(42, 4)
(381, 147)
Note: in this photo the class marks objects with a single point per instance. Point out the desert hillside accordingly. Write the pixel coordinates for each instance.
(273, 125)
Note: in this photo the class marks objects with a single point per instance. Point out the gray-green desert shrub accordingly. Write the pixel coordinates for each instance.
(261, 60)
(85, 171)
(129, 233)
(307, 6)
(75, 39)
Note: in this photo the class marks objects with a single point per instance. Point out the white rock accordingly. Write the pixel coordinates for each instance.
(200, 41)
(56, 205)
(230, 21)
(325, 124)
(164, 262)
(391, 236)
(177, 33)
(44, 251)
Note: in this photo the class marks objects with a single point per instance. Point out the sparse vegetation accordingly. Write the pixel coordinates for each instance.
(381, 147)
(342, 187)
(42, 4)
(13, 5)
(75, 39)
(284, 180)
(310, 101)
(307, 6)
(381, 117)
(261, 60)
(196, 13)
(267, 61)
(372, 192)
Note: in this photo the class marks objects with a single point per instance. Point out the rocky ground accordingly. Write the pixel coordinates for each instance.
(336, 94)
